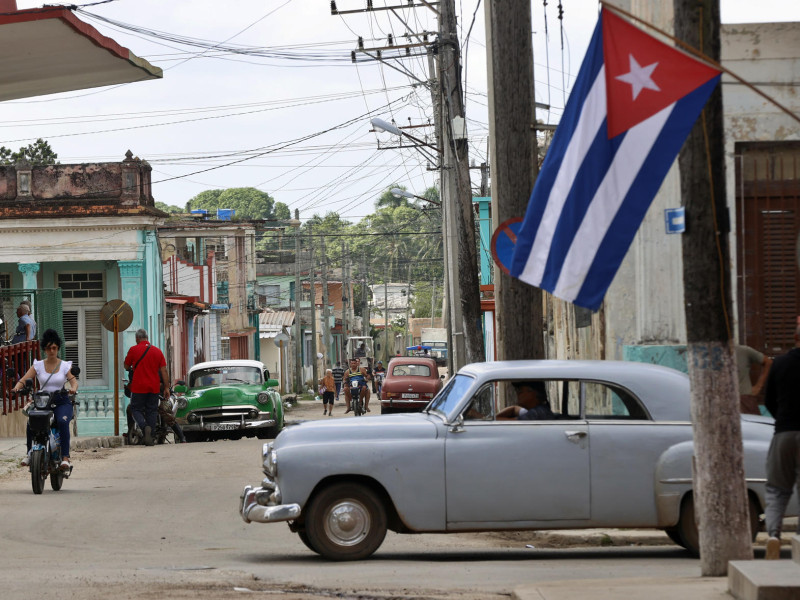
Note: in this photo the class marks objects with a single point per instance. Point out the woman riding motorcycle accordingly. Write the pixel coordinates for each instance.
(53, 375)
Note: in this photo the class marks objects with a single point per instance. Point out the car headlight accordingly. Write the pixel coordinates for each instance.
(181, 402)
(264, 398)
(270, 460)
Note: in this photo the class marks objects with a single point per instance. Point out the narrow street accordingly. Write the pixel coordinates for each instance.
(163, 520)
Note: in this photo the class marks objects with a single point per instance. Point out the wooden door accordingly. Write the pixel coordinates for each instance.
(768, 226)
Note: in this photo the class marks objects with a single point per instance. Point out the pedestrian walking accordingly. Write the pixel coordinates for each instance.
(148, 379)
(783, 458)
(326, 387)
(338, 375)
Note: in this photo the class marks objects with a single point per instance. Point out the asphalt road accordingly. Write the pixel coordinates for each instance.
(133, 522)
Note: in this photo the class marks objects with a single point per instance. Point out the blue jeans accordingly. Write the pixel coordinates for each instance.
(144, 408)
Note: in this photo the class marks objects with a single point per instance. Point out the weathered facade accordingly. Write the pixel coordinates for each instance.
(211, 291)
(90, 230)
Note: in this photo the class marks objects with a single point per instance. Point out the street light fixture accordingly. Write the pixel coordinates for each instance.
(381, 125)
(398, 193)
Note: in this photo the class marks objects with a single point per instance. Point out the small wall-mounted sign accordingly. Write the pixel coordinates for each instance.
(675, 219)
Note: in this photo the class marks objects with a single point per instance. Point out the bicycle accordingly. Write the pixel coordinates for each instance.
(356, 403)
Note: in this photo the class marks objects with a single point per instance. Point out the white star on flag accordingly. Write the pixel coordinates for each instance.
(639, 77)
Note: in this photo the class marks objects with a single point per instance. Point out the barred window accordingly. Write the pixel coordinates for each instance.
(80, 285)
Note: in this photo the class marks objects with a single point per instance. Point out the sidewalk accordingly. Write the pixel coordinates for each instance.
(692, 588)
(13, 449)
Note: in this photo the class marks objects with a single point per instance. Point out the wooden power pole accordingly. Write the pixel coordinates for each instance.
(298, 332)
(720, 499)
(458, 190)
(514, 166)
(326, 328)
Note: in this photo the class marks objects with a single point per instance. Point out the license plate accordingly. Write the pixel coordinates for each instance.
(409, 396)
(221, 426)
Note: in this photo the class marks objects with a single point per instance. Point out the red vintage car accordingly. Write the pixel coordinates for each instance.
(411, 382)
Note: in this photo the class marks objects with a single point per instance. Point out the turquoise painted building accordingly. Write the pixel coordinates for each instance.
(90, 231)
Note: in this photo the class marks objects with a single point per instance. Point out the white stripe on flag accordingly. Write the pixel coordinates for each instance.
(589, 122)
(616, 184)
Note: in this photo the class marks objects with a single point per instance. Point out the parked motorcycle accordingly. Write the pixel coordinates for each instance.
(165, 422)
(46, 448)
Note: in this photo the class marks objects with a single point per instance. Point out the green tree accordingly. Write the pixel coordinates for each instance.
(37, 153)
(168, 208)
(248, 203)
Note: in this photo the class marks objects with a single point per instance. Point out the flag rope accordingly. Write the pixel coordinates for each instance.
(704, 57)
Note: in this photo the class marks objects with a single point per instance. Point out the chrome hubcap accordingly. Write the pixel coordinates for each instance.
(347, 523)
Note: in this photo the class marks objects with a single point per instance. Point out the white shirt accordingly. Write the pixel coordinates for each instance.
(57, 380)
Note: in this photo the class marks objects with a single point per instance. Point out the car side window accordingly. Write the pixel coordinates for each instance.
(481, 408)
(610, 402)
(564, 397)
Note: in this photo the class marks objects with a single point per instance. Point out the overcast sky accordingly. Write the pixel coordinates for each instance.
(271, 82)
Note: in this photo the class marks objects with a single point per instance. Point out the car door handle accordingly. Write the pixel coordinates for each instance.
(574, 436)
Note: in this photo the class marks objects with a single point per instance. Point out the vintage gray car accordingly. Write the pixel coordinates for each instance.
(617, 454)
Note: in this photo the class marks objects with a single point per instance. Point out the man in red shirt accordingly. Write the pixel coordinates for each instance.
(149, 378)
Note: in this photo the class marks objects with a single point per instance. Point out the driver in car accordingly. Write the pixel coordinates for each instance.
(532, 404)
(359, 374)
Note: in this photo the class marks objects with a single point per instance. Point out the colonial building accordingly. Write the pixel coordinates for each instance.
(88, 230)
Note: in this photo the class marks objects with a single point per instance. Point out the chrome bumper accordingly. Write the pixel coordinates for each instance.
(254, 505)
(226, 425)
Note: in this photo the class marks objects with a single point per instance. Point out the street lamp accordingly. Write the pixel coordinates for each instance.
(398, 193)
(381, 125)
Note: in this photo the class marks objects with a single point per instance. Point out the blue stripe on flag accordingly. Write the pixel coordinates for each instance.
(555, 154)
(647, 183)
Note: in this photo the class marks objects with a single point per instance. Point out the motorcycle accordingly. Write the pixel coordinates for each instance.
(46, 448)
(379, 377)
(165, 422)
(356, 403)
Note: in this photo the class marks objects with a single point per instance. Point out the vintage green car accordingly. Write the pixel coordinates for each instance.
(229, 399)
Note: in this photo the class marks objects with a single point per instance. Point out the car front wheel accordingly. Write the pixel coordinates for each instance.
(345, 521)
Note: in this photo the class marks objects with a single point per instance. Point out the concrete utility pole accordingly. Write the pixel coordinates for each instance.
(326, 328)
(409, 339)
(313, 296)
(298, 342)
(512, 119)
(457, 196)
(344, 302)
(386, 322)
(720, 499)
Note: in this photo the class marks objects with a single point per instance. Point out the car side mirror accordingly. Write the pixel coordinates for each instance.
(180, 387)
(458, 425)
(272, 383)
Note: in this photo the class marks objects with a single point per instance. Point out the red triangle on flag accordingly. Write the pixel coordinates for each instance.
(644, 75)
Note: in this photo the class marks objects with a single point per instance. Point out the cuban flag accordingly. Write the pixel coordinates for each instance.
(632, 107)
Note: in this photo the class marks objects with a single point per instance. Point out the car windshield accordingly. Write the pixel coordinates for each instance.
(224, 375)
(411, 371)
(448, 399)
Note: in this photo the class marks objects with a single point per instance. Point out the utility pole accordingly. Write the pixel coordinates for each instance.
(512, 119)
(312, 278)
(433, 301)
(326, 329)
(385, 321)
(720, 498)
(409, 338)
(298, 342)
(467, 331)
(344, 302)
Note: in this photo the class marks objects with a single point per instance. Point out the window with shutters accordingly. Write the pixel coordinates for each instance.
(84, 343)
(5, 281)
(768, 243)
(84, 336)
